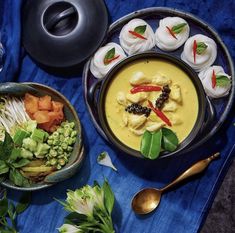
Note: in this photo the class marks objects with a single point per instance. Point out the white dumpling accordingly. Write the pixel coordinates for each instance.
(121, 98)
(135, 121)
(132, 44)
(139, 78)
(138, 97)
(170, 107)
(160, 79)
(176, 93)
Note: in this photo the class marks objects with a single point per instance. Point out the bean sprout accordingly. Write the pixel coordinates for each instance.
(12, 113)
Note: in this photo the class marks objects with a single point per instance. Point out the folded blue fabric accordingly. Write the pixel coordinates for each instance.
(182, 210)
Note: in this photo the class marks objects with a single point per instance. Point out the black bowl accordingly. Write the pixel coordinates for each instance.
(200, 123)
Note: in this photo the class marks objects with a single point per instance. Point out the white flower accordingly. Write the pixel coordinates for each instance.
(68, 228)
(105, 160)
(81, 201)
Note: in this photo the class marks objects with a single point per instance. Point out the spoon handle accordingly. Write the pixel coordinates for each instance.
(193, 170)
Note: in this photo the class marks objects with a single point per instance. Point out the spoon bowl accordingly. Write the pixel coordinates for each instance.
(146, 200)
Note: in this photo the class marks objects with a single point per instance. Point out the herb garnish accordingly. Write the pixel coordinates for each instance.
(110, 56)
(139, 32)
(222, 81)
(10, 162)
(140, 29)
(9, 211)
(178, 28)
(153, 142)
(201, 47)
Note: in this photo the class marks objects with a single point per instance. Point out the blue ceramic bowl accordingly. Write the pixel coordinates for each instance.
(76, 158)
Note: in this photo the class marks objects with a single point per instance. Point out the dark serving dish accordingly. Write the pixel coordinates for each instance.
(101, 88)
(220, 107)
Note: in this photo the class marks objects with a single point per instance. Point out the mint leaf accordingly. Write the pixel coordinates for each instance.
(140, 29)
(201, 47)
(222, 81)
(178, 28)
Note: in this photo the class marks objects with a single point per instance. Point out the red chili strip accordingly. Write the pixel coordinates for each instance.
(137, 35)
(160, 114)
(213, 79)
(171, 32)
(143, 88)
(107, 61)
(194, 50)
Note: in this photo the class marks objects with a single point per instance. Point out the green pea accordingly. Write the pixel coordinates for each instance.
(72, 125)
(70, 149)
(61, 162)
(73, 134)
(64, 146)
(53, 162)
(50, 142)
(55, 135)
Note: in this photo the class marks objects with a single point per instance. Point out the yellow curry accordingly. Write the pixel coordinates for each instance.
(181, 108)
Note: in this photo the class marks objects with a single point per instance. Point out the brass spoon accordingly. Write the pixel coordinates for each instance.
(148, 199)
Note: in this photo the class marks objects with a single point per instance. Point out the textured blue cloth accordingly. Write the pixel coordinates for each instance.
(182, 210)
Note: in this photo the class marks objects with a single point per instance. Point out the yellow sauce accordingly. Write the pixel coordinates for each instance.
(187, 111)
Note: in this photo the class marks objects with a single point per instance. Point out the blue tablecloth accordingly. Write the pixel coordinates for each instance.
(182, 210)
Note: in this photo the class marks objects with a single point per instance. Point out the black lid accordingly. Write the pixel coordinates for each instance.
(63, 34)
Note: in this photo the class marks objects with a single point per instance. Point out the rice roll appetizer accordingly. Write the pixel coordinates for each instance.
(199, 52)
(171, 33)
(215, 81)
(105, 58)
(137, 36)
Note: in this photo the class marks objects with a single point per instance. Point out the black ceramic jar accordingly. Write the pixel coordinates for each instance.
(205, 113)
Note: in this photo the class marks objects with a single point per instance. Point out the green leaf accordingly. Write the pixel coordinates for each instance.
(16, 177)
(4, 168)
(19, 136)
(178, 28)
(169, 140)
(222, 81)
(108, 197)
(75, 218)
(6, 147)
(15, 153)
(3, 207)
(150, 146)
(110, 54)
(96, 184)
(23, 203)
(201, 48)
(140, 29)
(20, 163)
(11, 209)
(2, 178)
